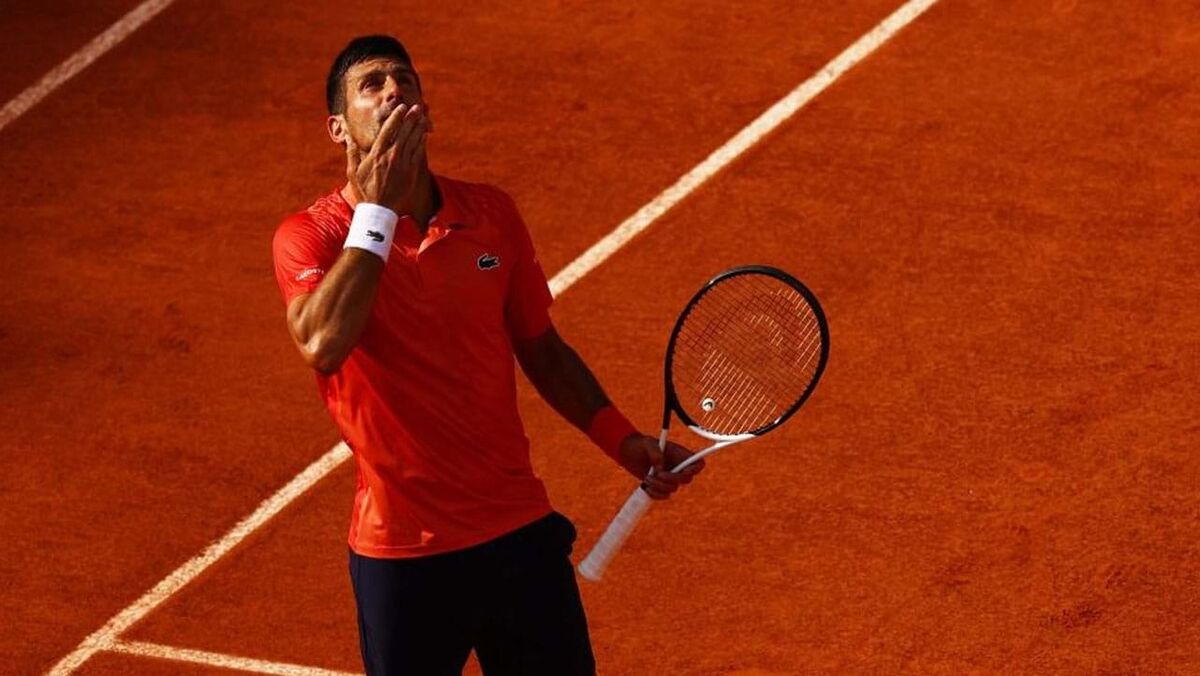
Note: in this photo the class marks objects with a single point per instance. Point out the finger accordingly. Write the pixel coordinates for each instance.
(411, 129)
(694, 468)
(655, 493)
(387, 132)
(405, 129)
(407, 147)
(677, 478)
(660, 485)
(419, 149)
(676, 454)
(390, 153)
(656, 457)
(415, 138)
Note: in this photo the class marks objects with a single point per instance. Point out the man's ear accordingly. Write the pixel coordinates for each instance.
(336, 126)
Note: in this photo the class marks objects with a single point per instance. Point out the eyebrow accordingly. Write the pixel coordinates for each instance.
(399, 69)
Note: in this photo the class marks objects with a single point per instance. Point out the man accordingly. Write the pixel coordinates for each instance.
(409, 294)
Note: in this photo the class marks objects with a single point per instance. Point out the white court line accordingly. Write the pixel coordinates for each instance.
(81, 59)
(108, 636)
(166, 652)
(745, 139)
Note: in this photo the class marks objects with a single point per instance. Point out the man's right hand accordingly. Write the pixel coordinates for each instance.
(387, 173)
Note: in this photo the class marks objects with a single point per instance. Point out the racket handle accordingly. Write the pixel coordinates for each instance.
(618, 531)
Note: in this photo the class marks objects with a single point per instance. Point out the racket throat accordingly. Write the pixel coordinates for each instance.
(722, 440)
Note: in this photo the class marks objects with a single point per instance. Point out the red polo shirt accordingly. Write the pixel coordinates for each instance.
(427, 399)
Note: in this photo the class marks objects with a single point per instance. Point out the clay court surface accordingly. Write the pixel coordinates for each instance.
(999, 210)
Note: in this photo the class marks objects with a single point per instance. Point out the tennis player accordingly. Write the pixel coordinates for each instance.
(409, 294)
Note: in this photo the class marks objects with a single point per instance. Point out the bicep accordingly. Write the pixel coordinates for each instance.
(527, 305)
(303, 253)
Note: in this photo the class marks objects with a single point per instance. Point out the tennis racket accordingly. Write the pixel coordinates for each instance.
(744, 355)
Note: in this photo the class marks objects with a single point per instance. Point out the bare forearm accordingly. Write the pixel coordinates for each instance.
(327, 324)
(563, 379)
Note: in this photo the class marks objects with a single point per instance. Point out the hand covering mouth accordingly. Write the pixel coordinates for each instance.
(386, 112)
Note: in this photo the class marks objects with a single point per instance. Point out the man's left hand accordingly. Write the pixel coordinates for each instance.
(640, 453)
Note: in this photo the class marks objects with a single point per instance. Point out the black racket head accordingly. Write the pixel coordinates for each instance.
(746, 352)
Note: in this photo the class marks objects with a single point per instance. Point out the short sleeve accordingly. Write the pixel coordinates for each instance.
(303, 254)
(527, 307)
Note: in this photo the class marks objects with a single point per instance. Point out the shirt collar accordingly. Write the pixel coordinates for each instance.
(451, 215)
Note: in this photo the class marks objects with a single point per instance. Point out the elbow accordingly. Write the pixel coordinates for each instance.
(323, 355)
(323, 344)
(326, 365)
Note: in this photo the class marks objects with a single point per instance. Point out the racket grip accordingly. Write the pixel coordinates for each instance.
(618, 531)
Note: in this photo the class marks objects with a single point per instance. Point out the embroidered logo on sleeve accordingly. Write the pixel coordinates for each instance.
(488, 262)
(309, 274)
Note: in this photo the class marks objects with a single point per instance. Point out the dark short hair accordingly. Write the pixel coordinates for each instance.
(362, 48)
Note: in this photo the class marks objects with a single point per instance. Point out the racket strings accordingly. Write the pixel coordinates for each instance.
(750, 392)
(741, 393)
(746, 352)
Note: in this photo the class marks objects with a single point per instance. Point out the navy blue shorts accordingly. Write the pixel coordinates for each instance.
(513, 600)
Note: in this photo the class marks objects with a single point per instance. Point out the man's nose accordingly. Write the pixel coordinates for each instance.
(392, 90)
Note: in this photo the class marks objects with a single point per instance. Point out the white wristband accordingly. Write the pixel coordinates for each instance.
(372, 229)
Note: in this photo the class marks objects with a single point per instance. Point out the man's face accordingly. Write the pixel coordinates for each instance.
(373, 89)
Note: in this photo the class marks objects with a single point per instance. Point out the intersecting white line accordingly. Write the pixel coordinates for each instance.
(108, 636)
(105, 637)
(210, 659)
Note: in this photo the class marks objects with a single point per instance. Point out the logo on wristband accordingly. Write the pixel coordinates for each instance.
(488, 262)
(375, 235)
